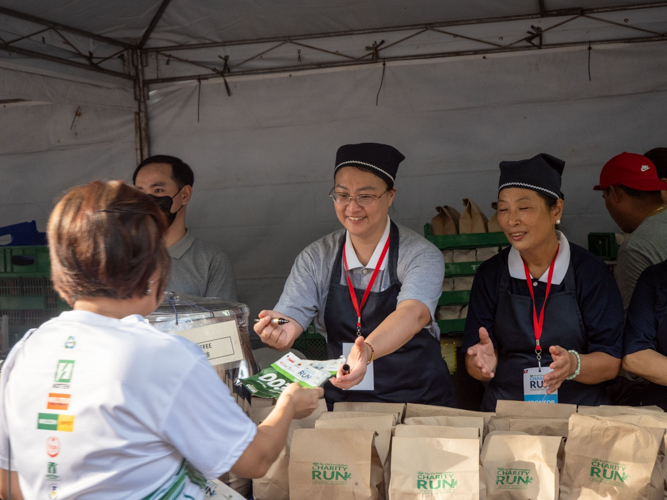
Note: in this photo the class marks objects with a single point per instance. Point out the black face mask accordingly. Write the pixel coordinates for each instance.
(165, 203)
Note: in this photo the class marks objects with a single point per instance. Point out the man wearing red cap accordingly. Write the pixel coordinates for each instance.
(631, 190)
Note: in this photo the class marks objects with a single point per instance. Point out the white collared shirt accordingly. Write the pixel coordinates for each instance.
(353, 260)
(517, 271)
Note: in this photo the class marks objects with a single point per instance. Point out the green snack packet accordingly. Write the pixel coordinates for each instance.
(274, 379)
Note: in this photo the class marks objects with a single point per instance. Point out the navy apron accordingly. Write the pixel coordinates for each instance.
(415, 373)
(515, 338)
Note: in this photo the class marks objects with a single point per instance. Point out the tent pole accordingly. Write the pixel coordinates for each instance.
(141, 116)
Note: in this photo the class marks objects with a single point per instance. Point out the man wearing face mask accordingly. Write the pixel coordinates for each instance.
(197, 268)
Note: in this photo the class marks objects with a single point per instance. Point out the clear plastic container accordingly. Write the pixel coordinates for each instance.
(184, 312)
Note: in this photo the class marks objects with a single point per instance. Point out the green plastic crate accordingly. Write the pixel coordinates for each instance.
(312, 344)
(453, 298)
(603, 245)
(26, 262)
(28, 302)
(451, 327)
(463, 241)
(461, 268)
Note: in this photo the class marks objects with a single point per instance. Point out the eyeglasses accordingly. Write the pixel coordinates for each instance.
(363, 200)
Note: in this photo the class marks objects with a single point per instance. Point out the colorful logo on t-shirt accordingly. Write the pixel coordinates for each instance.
(64, 370)
(52, 471)
(58, 401)
(53, 491)
(55, 422)
(52, 446)
(70, 343)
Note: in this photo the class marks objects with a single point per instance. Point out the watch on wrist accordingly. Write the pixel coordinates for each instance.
(578, 370)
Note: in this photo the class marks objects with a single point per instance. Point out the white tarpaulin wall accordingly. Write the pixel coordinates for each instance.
(263, 158)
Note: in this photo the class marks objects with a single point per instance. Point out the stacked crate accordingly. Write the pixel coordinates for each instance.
(27, 296)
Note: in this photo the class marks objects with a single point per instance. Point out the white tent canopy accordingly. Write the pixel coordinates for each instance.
(465, 85)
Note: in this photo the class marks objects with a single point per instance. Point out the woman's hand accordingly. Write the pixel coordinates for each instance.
(358, 360)
(564, 364)
(483, 355)
(303, 401)
(279, 337)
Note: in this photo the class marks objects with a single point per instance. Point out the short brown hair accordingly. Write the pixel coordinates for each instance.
(105, 240)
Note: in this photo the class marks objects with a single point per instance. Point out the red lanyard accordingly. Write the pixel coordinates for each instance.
(358, 307)
(538, 323)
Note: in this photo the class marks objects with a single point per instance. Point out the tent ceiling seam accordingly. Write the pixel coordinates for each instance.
(420, 26)
(437, 55)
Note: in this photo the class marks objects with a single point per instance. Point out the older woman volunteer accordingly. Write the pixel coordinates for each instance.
(545, 315)
(371, 288)
(97, 403)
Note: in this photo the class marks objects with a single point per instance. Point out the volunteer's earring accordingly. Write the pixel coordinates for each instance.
(148, 290)
(558, 221)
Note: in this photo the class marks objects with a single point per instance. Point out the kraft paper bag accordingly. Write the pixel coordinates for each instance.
(448, 256)
(419, 410)
(381, 425)
(473, 219)
(656, 420)
(335, 415)
(463, 255)
(436, 431)
(448, 284)
(525, 409)
(493, 225)
(483, 254)
(610, 411)
(607, 458)
(434, 468)
(446, 222)
(463, 282)
(274, 485)
(335, 464)
(455, 421)
(520, 467)
(448, 312)
(540, 426)
(393, 408)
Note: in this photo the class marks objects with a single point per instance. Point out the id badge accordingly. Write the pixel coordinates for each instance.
(533, 386)
(368, 383)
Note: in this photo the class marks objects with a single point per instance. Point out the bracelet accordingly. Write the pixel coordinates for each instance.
(372, 353)
(578, 370)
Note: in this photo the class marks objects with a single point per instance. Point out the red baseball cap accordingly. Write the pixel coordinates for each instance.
(630, 170)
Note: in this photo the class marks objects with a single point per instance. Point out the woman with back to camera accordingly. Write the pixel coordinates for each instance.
(96, 403)
(543, 310)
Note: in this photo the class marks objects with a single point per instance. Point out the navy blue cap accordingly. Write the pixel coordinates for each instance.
(542, 173)
(379, 159)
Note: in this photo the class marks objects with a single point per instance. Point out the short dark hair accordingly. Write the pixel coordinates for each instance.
(549, 200)
(645, 196)
(180, 171)
(659, 158)
(105, 240)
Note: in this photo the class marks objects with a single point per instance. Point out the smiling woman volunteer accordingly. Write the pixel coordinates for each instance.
(541, 298)
(371, 289)
(98, 404)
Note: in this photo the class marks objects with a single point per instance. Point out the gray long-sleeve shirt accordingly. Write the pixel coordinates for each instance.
(420, 270)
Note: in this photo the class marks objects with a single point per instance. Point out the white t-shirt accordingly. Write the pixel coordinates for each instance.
(101, 408)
